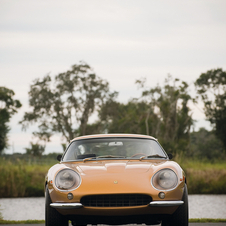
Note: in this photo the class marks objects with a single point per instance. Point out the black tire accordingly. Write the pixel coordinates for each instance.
(180, 217)
(52, 216)
(74, 224)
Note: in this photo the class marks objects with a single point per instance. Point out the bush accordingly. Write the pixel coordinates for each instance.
(21, 180)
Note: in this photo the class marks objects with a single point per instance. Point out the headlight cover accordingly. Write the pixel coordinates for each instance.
(165, 179)
(67, 179)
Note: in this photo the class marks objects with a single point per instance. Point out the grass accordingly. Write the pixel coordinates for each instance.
(206, 220)
(23, 179)
(204, 177)
(195, 220)
(19, 179)
(22, 222)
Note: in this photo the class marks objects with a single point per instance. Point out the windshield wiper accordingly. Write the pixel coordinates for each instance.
(86, 159)
(103, 156)
(152, 156)
(110, 156)
(156, 156)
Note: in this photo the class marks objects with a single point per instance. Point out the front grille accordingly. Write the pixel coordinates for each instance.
(118, 200)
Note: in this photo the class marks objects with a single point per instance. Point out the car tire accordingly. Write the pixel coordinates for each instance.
(52, 216)
(180, 217)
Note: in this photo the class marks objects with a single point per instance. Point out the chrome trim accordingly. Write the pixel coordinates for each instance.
(66, 205)
(166, 203)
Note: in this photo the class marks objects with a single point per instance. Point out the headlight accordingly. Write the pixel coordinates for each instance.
(165, 179)
(67, 179)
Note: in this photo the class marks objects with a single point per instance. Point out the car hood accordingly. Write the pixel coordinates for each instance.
(115, 166)
(116, 176)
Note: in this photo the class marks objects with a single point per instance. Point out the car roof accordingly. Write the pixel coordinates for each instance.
(110, 135)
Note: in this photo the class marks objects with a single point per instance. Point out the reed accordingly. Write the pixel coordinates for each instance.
(24, 179)
(209, 181)
(18, 179)
(204, 176)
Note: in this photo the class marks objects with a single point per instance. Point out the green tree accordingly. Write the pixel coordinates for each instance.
(168, 116)
(205, 144)
(162, 112)
(65, 104)
(123, 118)
(211, 86)
(8, 107)
(36, 150)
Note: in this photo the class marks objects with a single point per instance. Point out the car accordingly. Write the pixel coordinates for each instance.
(116, 179)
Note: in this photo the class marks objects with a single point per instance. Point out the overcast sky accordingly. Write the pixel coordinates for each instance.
(122, 40)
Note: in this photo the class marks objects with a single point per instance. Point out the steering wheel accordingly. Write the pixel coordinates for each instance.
(138, 154)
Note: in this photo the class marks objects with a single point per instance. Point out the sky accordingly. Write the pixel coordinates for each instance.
(122, 40)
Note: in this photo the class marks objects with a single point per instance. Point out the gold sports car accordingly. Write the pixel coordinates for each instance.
(116, 179)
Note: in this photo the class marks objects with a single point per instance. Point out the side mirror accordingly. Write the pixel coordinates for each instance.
(59, 157)
(170, 156)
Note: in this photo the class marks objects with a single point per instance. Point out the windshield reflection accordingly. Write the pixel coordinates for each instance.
(101, 148)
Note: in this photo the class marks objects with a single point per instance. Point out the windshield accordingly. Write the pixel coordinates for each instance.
(100, 148)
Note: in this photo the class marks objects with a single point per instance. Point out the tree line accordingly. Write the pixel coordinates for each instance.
(64, 104)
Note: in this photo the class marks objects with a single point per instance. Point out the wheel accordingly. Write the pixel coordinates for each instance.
(74, 224)
(52, 216)
(180, 217)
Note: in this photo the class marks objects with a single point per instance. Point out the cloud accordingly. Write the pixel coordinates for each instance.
(123, 40)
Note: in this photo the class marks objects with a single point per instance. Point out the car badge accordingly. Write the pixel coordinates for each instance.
(115, 182)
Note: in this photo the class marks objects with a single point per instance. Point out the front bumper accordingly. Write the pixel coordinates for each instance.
(152, 204)
(66, 205)
(166, 203)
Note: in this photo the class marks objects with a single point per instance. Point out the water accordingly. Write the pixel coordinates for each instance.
(200, 206)
(23, 208)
